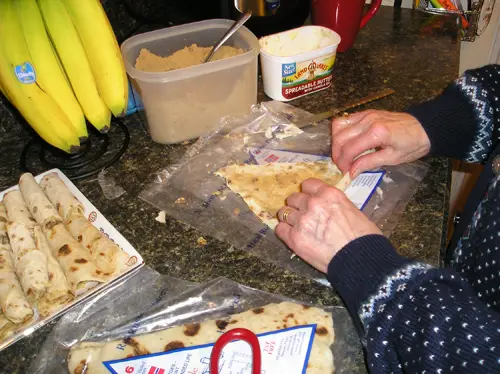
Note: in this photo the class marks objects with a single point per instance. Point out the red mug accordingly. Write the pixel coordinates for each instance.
(345, 17)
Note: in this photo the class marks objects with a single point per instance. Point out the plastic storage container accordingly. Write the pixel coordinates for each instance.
(186, 103)
(298, 62)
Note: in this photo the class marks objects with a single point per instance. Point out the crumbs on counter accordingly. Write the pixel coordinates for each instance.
(202, 241)
(183, 58)
(161, 217)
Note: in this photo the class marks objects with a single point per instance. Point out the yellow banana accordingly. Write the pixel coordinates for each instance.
(102, 51)
(50, 76)
(18, 79)
(3, 91)
(70, 50)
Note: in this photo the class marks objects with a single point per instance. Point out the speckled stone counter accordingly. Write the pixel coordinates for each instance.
(391, 51)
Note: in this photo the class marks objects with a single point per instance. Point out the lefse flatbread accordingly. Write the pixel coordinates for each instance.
(81, 273)
(265, 188)
(65, 202)
(39, 205)
(108, 256)
(87, 357)
(58, 292)
(29, 262)
(16, 208)
(75, 261)
(14, 305)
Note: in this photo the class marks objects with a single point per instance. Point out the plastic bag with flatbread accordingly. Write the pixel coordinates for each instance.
(193, 193)
(156, 314)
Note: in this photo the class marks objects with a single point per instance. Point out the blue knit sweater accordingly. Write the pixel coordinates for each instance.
(413, 317)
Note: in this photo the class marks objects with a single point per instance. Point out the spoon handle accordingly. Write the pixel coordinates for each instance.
(244, 17)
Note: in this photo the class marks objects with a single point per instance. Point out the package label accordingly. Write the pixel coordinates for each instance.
(362, 188)
(359, 191)
(283, 351)
(300, 78)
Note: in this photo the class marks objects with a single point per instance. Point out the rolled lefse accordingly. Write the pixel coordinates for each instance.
(39, 205)
(13, 302)
(108, 256)
(58, 292)
(66, 204)
(17, 210)
(29, 262)
(82, 274)
(7, 328)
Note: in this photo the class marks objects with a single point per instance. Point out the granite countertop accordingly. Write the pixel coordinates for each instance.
(391, 51)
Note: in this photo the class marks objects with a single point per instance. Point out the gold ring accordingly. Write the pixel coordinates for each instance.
(346, 119)
(286, 212)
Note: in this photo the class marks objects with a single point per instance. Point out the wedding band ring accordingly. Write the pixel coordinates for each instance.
(286, 212)
(346, 119)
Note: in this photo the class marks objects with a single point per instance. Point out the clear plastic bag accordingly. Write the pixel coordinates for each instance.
(191, 193)
(125, 314)
(126, 300)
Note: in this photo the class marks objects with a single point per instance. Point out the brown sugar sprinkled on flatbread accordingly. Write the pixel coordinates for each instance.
(265, 188)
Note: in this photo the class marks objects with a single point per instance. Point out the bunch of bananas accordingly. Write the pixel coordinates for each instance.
(59, 64)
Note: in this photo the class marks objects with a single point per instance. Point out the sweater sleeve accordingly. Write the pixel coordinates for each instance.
(464, 121)
(413, 317)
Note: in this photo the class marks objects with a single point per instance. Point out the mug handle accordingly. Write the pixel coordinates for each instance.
(374, 7)
(236, 334)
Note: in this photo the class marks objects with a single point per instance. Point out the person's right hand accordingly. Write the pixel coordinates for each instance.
(399, 136)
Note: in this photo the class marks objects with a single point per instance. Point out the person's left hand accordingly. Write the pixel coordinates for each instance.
(320, 221)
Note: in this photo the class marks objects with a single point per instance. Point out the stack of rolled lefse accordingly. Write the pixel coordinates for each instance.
(14, 305)
(75, 261)
(49, 289)
(108, 256)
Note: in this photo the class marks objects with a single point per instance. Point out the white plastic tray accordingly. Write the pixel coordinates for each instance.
(104, 226)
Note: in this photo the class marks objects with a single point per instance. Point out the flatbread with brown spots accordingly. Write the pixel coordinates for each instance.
(108, 256)
(265, 188)
(87, 357)
(58, 293)
(81, 273)
(13, 302)
(61, 197)
(39, 205)
(17, 210)
(7, 328)
(29, 262)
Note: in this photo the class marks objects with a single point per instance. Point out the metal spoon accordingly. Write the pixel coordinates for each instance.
(244, 17)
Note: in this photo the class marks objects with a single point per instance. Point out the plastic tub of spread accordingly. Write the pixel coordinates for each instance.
(188, 101)
(298, 62)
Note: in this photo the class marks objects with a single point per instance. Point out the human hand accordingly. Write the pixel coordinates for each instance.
(319, 222)
(400, 137)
